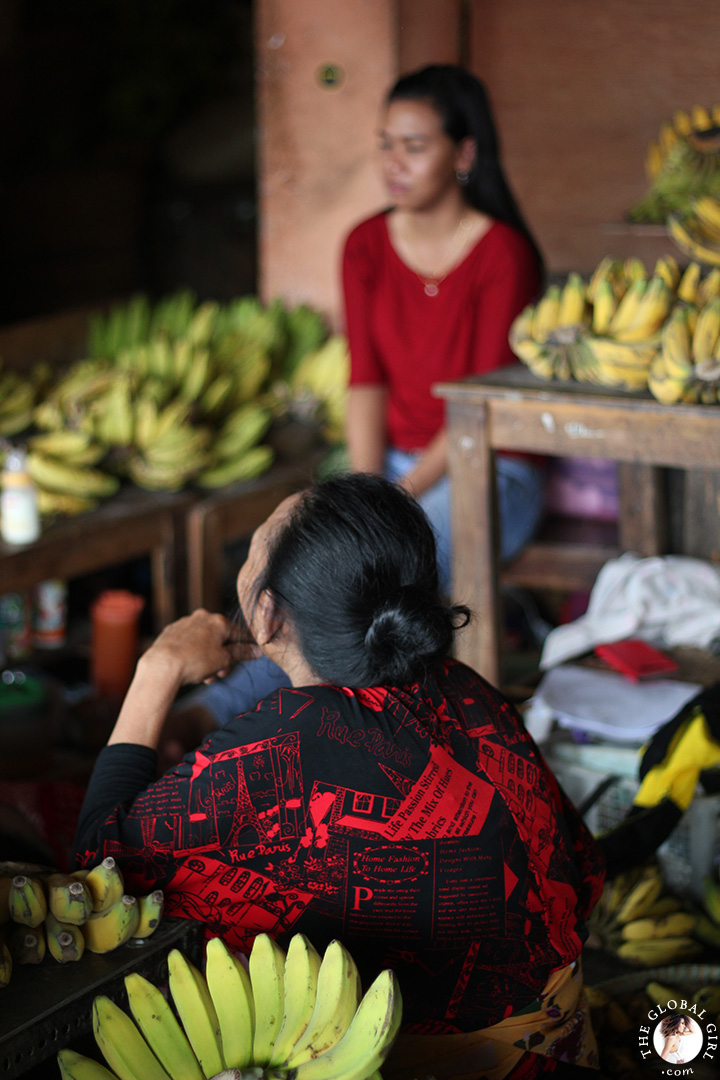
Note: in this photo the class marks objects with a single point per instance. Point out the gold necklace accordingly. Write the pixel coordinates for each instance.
(432, 282)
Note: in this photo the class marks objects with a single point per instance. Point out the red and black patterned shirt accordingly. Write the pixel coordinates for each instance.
(419, 825)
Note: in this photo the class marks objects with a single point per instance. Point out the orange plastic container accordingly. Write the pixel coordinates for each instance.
(114, 643)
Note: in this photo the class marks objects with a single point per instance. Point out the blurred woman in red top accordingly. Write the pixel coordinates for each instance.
(431, 286)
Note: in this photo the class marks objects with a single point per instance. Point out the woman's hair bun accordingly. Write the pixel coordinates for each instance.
(409, 632)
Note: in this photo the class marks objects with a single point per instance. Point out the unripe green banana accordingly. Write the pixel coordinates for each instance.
(27, 901)
(300, 978)
(267, 970)
(251, 464)
(122, 1045)
(196, 1010)
(338, 996)
(74, 1066)
(231, 992)
(161, 1029)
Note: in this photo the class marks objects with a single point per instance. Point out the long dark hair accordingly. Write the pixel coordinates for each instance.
(354, 568)
(462, 102)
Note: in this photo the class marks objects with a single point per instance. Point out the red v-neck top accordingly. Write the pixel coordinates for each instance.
(407, 341)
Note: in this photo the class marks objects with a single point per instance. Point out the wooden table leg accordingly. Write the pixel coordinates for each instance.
(475, 537)
(643, 510)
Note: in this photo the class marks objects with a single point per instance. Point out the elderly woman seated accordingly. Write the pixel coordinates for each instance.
(388, 796)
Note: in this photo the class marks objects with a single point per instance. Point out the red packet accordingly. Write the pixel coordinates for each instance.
(636, 659)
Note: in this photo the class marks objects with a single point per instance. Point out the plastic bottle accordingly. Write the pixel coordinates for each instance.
(50, 614)
(19, 514)
(115, 617)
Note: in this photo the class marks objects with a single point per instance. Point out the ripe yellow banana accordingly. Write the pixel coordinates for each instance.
(666, 390)
(302, 966)
(604, 307)
(655, 951)
(572, 301)
(111, 927)
(659, 993)
(65, 941)
(667, 268)
(677, 924)
(338, 996)
(707, 211)
(627, 306)
(27, 902)
(122, 1045)
(75, 1066)
(707, 331)
(161, 1029)
(692, 240)
(197, 377)
(267, 970)
(547, 310)
(708, 287)
(196, 1010)
(688, 285)
(368, 1040)
(641, 896)
(231, 992)
(649, 315)
(104, 882)
(608, 269)
(676, 344)
(69, 900)
(151, 907)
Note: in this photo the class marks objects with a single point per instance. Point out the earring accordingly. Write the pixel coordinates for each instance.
(462, 176)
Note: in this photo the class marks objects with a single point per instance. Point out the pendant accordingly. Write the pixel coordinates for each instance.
(431, 288)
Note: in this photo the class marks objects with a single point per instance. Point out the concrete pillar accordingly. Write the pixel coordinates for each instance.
(317, 174)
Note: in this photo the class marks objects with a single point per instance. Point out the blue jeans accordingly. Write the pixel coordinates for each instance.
(520, 501)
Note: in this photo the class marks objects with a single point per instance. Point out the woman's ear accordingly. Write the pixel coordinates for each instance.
(465, 158)
(268, 619)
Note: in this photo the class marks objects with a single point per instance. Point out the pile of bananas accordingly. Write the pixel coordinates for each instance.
(687, 368)
(617, 1018)
(294, 1015)
(682, 164)
(61, 914)
(604, 332)
(177, 394)
(639, 922)
(696, 231)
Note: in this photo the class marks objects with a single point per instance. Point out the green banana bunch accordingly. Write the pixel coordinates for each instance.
(683, 163)
(324, 375)
(53, 474)
(327, 1029)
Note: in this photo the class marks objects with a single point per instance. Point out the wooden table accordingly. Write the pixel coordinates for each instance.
(128, 525)
(512, 409)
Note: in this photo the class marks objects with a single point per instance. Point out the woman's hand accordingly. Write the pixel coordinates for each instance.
(199, 647)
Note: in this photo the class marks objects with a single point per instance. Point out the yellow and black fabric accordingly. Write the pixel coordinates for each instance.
(685, 751)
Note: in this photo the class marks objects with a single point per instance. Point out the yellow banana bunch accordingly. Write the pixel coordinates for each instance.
(676, 924)
(327, 1029)
(544, 335)
(651, 952)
